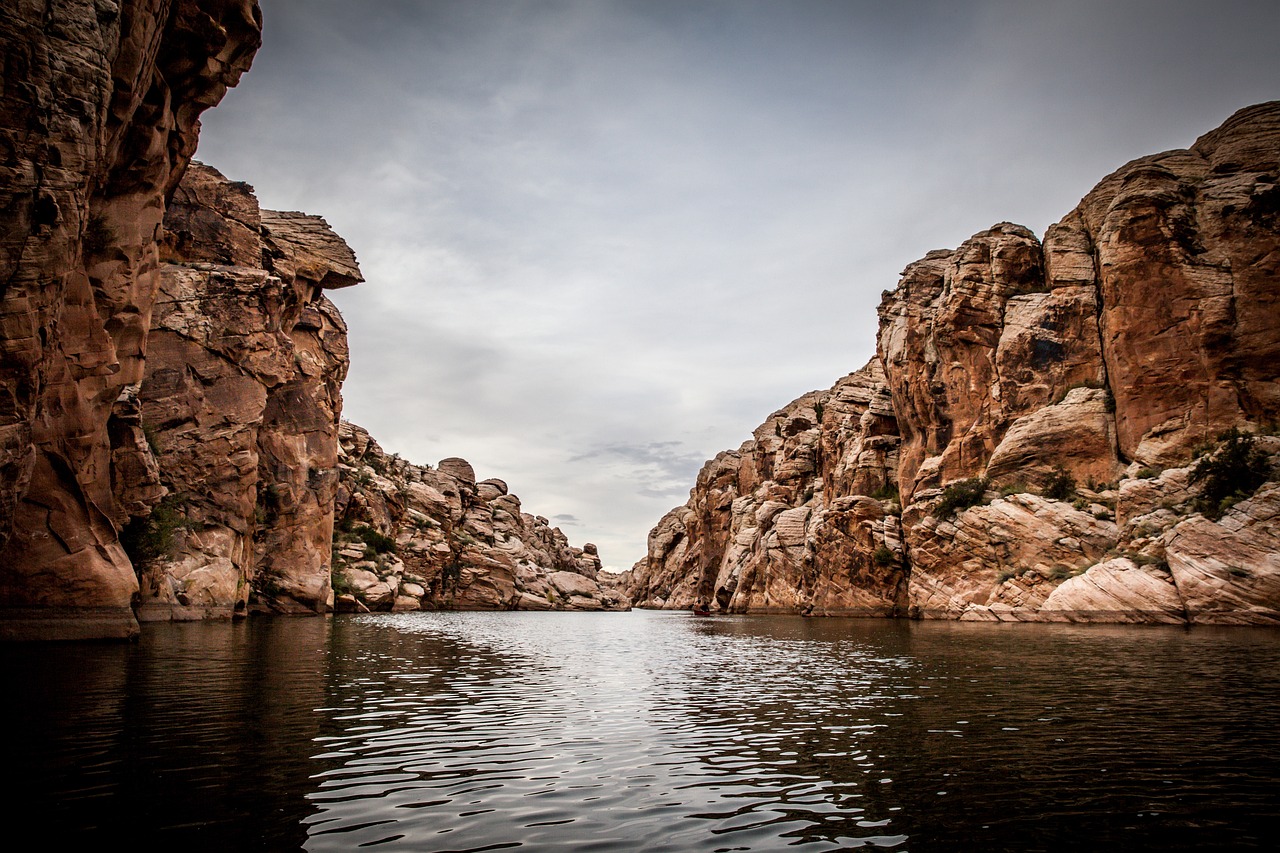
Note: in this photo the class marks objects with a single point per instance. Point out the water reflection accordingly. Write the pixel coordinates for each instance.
(475, 731)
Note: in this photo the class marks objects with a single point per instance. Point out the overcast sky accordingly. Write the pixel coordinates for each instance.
(605, 240)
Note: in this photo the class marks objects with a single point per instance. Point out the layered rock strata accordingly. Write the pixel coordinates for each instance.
(1025, 445)
(99, 108)
(241, 403)
(412, 537)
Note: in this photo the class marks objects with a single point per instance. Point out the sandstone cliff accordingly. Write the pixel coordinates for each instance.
(99, 108)
(412, 537)
(240, 404)
(1047, 431)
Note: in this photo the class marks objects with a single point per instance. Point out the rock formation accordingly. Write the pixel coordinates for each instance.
(99, 113)
(1039, 433)
(410, 537)
(241, 403)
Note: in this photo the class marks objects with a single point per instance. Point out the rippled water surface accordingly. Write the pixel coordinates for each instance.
(648, 731)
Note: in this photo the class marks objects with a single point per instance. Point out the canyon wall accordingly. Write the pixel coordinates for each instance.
(240, 405)
(99, 108)
(411, 537)
(1074, 429)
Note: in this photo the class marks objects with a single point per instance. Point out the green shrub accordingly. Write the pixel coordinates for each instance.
(380, 543)
(1231, 474)
(960, 496)
(887, 492)
(883, 556)
(1061, 485)
(150, 538)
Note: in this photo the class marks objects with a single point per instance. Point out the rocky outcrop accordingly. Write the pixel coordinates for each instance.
(241, 403)
(802, 517)
(99, 113)
(412, 537)
(1029, 395)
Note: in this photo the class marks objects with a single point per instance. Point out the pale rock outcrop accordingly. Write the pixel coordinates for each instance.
(99, 112)
(1117, 590)
(1000, 560)
(1073, 379)
(413, 537)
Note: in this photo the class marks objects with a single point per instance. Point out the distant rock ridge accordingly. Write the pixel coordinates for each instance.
(1041, 433)
(410, 537)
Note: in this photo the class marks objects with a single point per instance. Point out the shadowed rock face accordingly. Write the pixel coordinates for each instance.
(1145, 325)
(241, 400)
(410, 537)
(98, 119)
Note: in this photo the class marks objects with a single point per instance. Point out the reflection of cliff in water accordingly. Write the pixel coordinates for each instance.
(199, 732)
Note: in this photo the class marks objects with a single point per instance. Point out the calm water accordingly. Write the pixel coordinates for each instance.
(653, 731)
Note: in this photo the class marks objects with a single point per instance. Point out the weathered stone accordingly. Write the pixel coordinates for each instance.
(241, 398)
(98, 119)
(468, 545)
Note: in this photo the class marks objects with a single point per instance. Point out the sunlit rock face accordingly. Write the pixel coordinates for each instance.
(1082, 379)
(98, 119)
(412, 537)
(241, 401)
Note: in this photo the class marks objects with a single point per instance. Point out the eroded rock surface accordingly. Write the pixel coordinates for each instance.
(412, 537)
(99, 108)
(1068, 387)
(242, 399)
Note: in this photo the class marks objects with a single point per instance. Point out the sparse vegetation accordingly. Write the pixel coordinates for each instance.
(960, 496)
(1061, 485)
(1061, 572)
(340, 582)
(1148, 473)
(883, 556)
(152, 439)
(378, 542)
(887, 492)
(150, 538)
(1230, 474)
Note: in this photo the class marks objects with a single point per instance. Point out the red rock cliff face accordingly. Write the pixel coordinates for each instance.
(241, 402)
(1083, 383)
(99, 108)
